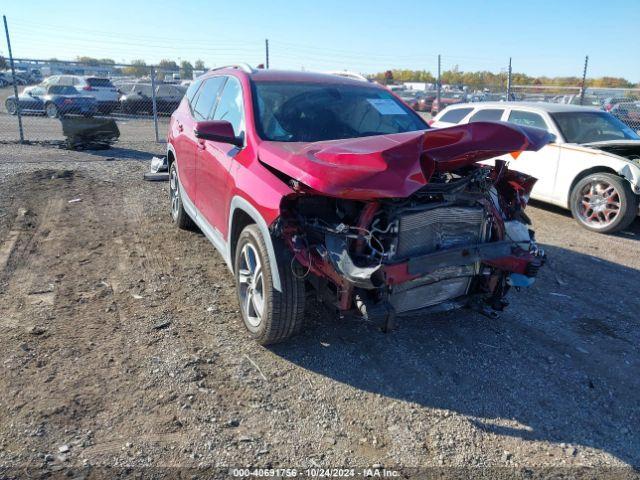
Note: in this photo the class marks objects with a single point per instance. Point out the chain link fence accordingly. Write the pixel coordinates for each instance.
(139, 99)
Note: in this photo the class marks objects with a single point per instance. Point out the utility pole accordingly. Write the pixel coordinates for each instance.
(266, 51)
(509, 82)
(154, 103)
(584, 79)
(13, 75)
(438, 85)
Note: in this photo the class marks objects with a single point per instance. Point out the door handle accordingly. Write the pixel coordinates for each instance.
(201, 144)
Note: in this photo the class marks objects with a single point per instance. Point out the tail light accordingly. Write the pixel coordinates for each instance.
(87, 88)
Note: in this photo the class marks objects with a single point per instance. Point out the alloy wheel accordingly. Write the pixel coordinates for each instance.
(598, 204)
(12, 107)
(174, 193)
(251, 283)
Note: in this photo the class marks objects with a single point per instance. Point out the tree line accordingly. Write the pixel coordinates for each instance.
(481, 79)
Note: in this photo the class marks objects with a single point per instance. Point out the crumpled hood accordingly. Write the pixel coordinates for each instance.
(627, 149)
(395, 165)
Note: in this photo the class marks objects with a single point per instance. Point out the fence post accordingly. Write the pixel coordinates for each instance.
(584, 79)
(438, 85)
(509, 82)
(266, 51)
(13, 77)
(153, 101)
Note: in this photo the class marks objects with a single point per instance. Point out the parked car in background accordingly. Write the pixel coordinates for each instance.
(446, 99)
(4, 80)
(319, 184)
(587, 101)
(628, 113)
(592, 167)
(138, 98)
(52, 101)
(101, 89)
(417, 100)
(21, 78)
(609, 102)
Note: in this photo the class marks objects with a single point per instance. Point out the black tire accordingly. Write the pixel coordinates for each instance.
(51, 111)
(282, 312)
(178, 213)
(11, 106)
(603, 203)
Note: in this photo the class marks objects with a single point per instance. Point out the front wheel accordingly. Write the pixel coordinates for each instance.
(178, 213)
(269, 315)
(12, 106)
(51, 110)
(604, 203)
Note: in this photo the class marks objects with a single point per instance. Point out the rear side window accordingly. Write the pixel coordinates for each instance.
(207, 96)
(99, 82)
(455, 115)
(527, 119)
(487, 115)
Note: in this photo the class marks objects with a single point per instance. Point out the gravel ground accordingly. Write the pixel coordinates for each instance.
(122, 346)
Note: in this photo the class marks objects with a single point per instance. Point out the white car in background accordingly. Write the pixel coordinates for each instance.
(592, 168)
(105, 93)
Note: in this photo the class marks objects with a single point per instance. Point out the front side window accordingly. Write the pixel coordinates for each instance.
(38, 91)
(527, 119)
(65, 80)
(192, 90)
(455, 115)
(144, 90)
(230, 106)
(310, 112)
(487, 115)
(594, 126)
(207, 97)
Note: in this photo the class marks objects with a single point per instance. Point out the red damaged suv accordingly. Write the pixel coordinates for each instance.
(312, 183)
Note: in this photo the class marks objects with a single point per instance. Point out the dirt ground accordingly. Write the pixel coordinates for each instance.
(121, 345)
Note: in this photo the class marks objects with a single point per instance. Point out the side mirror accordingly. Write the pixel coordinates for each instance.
(217, 131)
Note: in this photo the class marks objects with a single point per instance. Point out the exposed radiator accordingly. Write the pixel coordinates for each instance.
(429, 231)
(437, 229)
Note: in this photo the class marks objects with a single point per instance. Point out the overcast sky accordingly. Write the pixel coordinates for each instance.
(543, 37)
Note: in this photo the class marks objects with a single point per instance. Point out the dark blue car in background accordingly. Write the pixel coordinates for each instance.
(53, 101)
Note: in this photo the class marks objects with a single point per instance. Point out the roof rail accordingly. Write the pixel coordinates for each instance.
(245, 67)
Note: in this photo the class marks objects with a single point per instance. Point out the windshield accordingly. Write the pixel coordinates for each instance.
(587, 127)
(311, 112)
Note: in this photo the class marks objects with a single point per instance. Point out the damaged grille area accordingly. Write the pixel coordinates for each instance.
(430, 231)
(418, 294)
